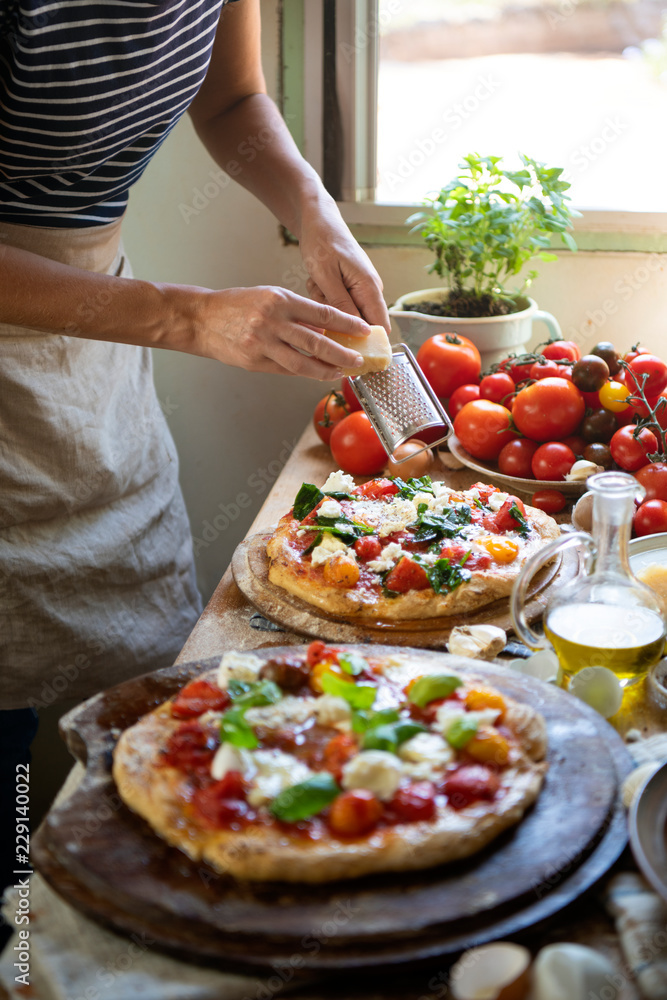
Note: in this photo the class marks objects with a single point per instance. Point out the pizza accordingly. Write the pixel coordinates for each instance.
(312, 764)
(399, 550)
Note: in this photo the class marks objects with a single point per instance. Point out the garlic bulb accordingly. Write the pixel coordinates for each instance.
(566, 971)
(480, 642)
(581, 470)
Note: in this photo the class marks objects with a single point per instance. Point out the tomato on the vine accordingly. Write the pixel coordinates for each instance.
(329, 411)
(516, 456)
(650, 517)
(464, 394)
(552, 460)
(561, 349)
(449, 361)
(549, 409)
(497, 387)
(651, 373)
(355, 446)
(653, 477)
(550, 501)
(545, 369)
(518, 367)
(633, 352)
(631, 452)
(483, 428)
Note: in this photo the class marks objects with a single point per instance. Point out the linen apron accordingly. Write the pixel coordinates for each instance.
(96, 573)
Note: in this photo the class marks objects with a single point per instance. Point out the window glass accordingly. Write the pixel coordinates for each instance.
(580, 85)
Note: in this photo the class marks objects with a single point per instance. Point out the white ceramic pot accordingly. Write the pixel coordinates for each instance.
(494, 336)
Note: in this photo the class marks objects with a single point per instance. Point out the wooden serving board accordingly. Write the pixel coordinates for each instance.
(250, 566)
(106, 861)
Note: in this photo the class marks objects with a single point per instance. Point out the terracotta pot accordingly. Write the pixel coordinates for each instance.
(494, 336)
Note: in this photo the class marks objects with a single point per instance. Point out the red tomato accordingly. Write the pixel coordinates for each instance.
(469, 783)
(315, 652)
(190, 748)
(328, 412)
(223, 802)
(199, 696)
(545, 369)
(549, 409)
(553, 461)
(406, 575)
(504, 519)
(449, 361)
(483, 428)
(575, 442)
(632, 452)
(652, 370)
(458, 399)
(653, 477)
(414, 802)
(349, 395)
(591, 400)
(550, 501)
(516, 456)
(355, 446)
(497, 387)
(561, 349)
(518, 367)
(634, 351)
(354, 813)
(639, 408)
(337, 752)
(367, 547)
(650, 517)
(375, 489)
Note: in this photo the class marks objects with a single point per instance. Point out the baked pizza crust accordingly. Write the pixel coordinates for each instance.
(288, 569)
(270, 853)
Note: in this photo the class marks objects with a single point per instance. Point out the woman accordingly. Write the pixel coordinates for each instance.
(96, 579)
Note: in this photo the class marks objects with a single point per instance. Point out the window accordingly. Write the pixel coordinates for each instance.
(394, 92)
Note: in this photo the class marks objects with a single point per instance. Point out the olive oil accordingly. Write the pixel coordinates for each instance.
(627, 640)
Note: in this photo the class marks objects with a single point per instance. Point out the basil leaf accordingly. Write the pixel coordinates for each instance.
(352, 663)
(443, 574)
(357, 695)
(306, 499)
(246, 695)
(340, 495)
(305, 799)
(523, 528)
(315, 542)
(461, 732)
(407, 491)
(362, 721)
(431, 526)
(390, 737)
(433, 686)
(235, 730)
(342, 527)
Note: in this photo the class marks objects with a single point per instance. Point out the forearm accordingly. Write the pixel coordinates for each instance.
(252, 141)
(41, 294)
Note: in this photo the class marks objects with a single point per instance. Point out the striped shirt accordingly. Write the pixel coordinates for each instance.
(88, 92)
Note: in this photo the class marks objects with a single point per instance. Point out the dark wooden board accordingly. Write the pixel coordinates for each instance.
(250, 566)
(106, 861)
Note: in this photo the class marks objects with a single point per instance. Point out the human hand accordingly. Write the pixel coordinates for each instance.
(270, 329)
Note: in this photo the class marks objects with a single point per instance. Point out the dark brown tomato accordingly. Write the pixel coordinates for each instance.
(599, 453)
(600, 425)
(606, 350)
(590, 373)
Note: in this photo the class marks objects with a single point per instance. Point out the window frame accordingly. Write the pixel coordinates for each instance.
(374, 223)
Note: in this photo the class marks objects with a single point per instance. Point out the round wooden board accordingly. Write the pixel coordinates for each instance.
(250, 566)
(106, 861)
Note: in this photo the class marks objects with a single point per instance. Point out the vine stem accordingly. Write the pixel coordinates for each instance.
(651, 419)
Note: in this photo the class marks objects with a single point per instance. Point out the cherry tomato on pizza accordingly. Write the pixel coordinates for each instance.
(329, 411)
(549, 409)
(484, 428)
(449, 361)
(355, 446)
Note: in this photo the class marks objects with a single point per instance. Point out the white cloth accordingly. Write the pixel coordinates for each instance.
(96, 573)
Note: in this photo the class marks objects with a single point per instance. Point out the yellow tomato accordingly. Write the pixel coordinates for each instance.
(341, 571)
(489, 746)
(501, 550)
(613, 396)
(326, 667)
(478, 698)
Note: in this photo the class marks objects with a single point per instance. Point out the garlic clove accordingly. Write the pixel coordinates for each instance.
(497, 971)
(581, 470)
(543, 665)
(600, 688)
(567, 971)
(480, 642)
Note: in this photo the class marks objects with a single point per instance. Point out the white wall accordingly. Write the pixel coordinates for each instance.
(233, 429)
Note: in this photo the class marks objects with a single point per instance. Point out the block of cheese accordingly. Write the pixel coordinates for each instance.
(375, 349)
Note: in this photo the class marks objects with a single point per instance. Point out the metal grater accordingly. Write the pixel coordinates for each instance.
(399, 402)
